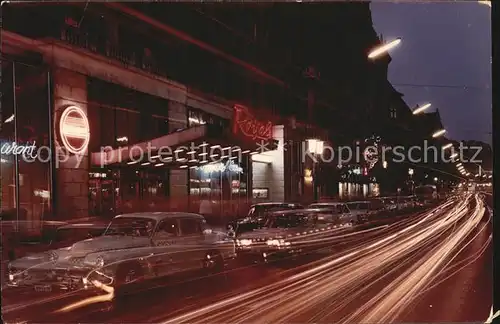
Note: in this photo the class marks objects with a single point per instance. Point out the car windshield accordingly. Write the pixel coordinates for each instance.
(261, 210)
(131, 226)
(285, 220)
(247, 227)
(334, 208)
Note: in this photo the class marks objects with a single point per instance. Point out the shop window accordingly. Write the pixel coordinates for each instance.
(199, 117)
(27, 192)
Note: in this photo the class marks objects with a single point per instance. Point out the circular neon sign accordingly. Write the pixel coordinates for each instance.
(74, 129)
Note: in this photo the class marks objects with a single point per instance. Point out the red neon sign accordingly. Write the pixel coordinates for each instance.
(74, 129)
(249, 126)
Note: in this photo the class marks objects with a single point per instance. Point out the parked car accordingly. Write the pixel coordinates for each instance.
(257, 213)
(361, 209)
(345, 214)
(63, 236)
(134, 248)
(289, 232)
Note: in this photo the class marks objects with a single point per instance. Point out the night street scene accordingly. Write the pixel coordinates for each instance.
(250, 162)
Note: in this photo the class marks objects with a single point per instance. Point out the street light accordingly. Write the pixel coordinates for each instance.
(421, 109)
(410, 171)
(384, 48)
(435, 179)
(447, 146)
(439, 133)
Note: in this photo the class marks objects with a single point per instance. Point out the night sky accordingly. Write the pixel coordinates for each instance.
(442, 44)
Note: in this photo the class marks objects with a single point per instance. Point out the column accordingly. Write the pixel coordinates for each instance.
(177, 119)
(71, 192)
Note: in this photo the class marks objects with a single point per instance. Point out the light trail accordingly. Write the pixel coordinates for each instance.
(419, 248)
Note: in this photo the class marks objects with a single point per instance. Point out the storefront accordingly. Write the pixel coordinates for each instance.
(103, 149)
(25, 141)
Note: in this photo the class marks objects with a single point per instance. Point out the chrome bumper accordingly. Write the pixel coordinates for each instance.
(66, 278)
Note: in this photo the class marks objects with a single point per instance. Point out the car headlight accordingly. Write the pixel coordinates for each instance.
(277, 243)
(99, 262)
(52, 256)
(244, 242)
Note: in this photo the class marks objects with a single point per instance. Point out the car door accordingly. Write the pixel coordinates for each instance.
(166, 258)
(194, 245)
(345, 213)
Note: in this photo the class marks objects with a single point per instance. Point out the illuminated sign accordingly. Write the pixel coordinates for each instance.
(249, 126)
(74, 130)
(28, 151)
(221, 167)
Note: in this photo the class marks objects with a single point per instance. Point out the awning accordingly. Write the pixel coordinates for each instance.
(187, 147)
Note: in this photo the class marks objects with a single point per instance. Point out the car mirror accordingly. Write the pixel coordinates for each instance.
(231, 234)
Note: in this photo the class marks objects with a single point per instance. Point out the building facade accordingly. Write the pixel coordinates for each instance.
(92, 82)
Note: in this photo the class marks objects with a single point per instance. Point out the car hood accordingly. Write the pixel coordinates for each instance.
(108, 242)
(268, 233)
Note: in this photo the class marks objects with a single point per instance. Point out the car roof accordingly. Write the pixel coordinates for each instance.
(274, 204)
(84, 225)
(333, 203)
(158, 216)
(359, 202)
(304, 210)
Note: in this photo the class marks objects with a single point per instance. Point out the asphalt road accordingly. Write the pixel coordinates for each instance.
(433, 266)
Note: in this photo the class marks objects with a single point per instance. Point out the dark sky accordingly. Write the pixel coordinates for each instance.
(442, 44)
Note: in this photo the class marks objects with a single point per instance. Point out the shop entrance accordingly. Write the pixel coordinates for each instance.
(102, 195)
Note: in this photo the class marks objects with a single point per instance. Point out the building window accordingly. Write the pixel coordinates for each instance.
(198, 117)
(392, 112)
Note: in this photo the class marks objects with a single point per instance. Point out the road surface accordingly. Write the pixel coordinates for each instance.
(433, 266)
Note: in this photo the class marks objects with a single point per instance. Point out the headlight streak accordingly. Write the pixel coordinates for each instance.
(107, 288)
(282, 301)
(414, 280)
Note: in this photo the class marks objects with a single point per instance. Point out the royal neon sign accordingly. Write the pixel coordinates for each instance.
(249, 126)
(74, 130)
(25, 150)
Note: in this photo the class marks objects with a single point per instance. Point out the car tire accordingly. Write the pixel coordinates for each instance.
(213, 262)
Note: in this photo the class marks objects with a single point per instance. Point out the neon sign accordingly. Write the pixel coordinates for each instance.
(74, 130)
(221, 167)
(249, 126)
(28, 151)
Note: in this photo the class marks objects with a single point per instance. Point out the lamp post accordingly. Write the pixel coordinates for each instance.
(315, 147)
(439, 133)
(382, 49)
(420, 110)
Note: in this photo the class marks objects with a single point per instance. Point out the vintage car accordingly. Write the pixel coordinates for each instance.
(289, 232)
(60, 237)
(257, 213)
(363, 210)
(340, 208)
(134, 248)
